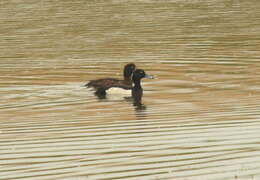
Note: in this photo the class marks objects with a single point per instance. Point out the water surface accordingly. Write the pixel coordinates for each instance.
(201, 118)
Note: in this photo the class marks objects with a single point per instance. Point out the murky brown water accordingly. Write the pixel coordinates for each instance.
(202, 118)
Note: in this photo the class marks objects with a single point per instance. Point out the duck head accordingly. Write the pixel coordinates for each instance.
(128, 71)
(140, 74)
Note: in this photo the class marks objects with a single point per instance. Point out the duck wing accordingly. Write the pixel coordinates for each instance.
(108, 83)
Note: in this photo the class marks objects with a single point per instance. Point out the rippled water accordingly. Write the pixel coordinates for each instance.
(201, 118)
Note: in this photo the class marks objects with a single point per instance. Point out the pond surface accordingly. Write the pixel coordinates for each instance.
(201, 118)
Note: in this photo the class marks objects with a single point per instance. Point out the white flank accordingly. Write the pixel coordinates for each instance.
(115, 90)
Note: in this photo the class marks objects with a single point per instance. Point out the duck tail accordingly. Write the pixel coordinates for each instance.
(89, 84)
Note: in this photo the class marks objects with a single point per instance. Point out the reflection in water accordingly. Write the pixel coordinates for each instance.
(139, 107)
(140, 111)
(200, 118)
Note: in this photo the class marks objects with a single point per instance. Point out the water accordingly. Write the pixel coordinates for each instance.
(200, 118)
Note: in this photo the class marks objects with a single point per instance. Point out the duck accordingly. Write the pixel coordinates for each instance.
(137, 90)
(102, 86)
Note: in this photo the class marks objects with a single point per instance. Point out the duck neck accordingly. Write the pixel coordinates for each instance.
(137, 84)
(137, 92)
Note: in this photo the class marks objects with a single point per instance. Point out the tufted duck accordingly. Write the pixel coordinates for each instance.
(137, 90)
(102, 85)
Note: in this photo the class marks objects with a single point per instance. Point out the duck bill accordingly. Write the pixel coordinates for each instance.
(149, 76)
